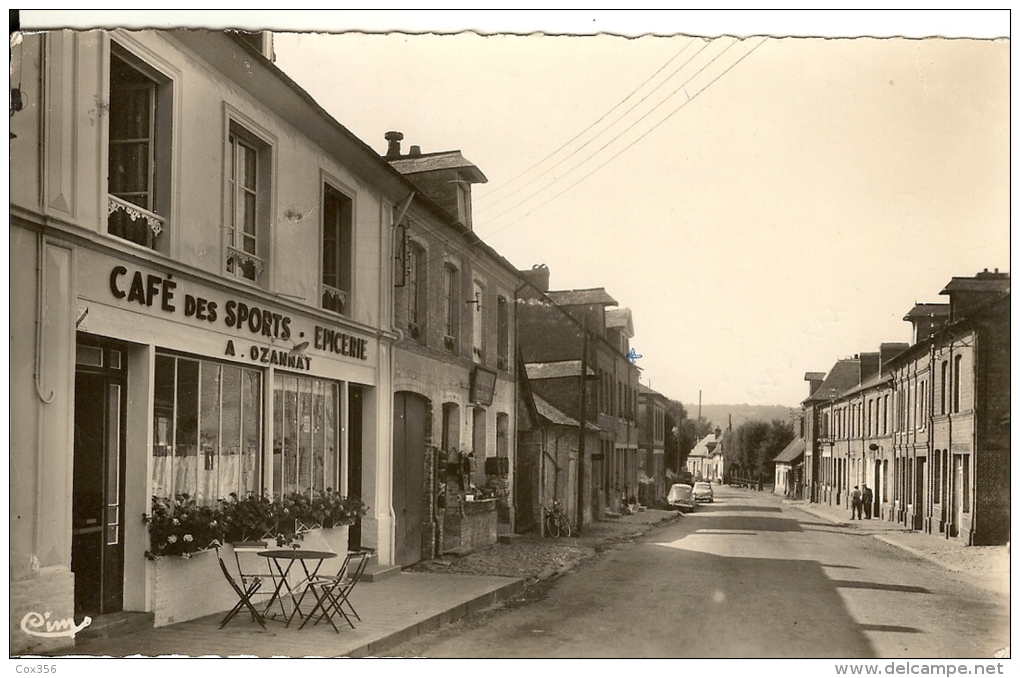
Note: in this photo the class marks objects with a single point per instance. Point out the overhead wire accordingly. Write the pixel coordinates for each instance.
(627, 129)
(631, 144)
(459, 250)
(592, 125)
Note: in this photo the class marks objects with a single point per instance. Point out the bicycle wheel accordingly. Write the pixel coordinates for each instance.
(552, 526)
(564, 526)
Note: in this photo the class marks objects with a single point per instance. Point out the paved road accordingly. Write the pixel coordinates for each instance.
(746, 576)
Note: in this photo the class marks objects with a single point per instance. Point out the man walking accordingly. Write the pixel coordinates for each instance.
(855, 503)
(867, 497)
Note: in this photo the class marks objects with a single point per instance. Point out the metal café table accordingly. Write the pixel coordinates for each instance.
(283, 560)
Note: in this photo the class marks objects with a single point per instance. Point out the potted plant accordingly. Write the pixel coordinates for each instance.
(178, 526)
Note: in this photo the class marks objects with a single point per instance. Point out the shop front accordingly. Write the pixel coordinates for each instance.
(186, 387)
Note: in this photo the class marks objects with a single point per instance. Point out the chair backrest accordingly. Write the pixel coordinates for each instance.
(251, 569)
(226, 572)
(363, 556)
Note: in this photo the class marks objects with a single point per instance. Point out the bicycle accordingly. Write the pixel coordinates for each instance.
(556, 522)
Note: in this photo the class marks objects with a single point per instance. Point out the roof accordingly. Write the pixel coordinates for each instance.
(704, 447)
(595, 295)
(547, 411)
(431, 162)
(872, 381)
(556, 370)
(986, 282)
(927, 311)
(792, 451)
(620, 317)
(844, 375)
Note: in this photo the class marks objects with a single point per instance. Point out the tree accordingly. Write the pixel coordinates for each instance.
(682, 434)
(754, 444)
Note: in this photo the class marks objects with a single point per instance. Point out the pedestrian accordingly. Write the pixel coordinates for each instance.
(868, 497)
(855, 503)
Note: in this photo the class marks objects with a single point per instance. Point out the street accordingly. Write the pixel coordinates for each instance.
(746, 576)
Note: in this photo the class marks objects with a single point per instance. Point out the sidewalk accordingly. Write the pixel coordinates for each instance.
(418, 600)
(988, 566)
(394, 610)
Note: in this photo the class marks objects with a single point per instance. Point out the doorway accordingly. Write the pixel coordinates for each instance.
(354, 458)
(97, 535)
(409, 429)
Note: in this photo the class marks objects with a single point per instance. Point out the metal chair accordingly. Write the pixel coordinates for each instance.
(244, 594)
(332, 592)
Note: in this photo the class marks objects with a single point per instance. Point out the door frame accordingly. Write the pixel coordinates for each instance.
(112, 588)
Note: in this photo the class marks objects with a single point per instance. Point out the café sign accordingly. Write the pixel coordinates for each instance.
(162, 293)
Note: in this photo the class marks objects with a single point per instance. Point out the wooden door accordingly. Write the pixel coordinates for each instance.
(409, 412)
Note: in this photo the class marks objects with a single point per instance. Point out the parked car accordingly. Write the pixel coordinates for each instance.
(681, 497)
(703, 492)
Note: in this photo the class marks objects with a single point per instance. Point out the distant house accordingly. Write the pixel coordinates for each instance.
(707, 461)
(789, 480)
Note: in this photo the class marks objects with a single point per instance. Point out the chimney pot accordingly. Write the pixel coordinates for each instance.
(394, 139)
(415, 151)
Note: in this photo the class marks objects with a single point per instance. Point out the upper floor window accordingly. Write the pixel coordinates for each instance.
(248, 188)
(944, 387)
(477, 322)
(140, 128)
(416, 270)
(502, 334)
(450, 316)
(337, 219)
(957, 374)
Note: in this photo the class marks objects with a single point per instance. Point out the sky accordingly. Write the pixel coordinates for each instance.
(764, 205)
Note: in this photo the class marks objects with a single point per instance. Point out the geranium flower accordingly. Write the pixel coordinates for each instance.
(188, 538)
(172, 539)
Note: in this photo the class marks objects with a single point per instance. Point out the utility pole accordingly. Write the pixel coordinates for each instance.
(584, 424)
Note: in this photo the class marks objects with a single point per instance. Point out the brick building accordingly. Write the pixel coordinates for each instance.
(552, 326)
(652, 445)
(455, 390)
(926, 424)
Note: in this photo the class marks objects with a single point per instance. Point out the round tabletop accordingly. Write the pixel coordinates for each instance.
(297, 554)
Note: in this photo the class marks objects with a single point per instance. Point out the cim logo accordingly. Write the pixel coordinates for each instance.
(40, 626)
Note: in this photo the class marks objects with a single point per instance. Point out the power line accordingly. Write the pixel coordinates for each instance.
(607, 144)
(579, 148)
(604, 116)
(671, 114)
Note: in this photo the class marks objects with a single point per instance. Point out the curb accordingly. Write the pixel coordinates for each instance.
(378, 646)
(918, 553)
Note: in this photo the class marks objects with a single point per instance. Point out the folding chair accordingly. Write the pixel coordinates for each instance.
(332, 593)
(244, 595)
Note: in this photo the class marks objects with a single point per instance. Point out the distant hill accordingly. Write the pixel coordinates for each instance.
(720, 415)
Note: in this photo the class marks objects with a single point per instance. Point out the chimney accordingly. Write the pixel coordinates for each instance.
(538, 276)
(394, 139)
(967, 294)
(814, 380)
(870, 363)
(718, 432)
(414, 152)
(888, 351)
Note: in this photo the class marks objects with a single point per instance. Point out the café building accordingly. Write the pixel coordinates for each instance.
(200, 303)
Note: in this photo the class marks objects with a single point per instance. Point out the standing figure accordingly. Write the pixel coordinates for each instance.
(856, 503)
(867, 497)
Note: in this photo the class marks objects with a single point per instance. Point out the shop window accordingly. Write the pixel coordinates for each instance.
(207, 430)
(140, 130)
(305, 435)
(502, 334)
(249, 164)
(416, 291)
(337, 219)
